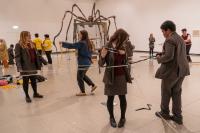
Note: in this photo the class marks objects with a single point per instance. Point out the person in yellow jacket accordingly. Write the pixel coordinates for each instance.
(47, 47)
(38, 43)
(3, 53)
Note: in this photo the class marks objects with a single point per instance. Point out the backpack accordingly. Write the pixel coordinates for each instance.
(7, 78)
(3, 82)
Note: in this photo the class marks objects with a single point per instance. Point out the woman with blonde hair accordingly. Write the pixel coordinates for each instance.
(3, 53)
(27, 62)
(151, 45)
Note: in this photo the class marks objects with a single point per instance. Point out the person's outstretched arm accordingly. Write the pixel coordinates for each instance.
(71, 45)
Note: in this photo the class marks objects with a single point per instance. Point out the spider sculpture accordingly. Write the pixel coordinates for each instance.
(94, 19)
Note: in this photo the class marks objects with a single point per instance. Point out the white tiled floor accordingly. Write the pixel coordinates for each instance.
(62, 112)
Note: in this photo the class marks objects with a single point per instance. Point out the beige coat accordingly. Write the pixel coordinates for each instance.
(3, 51)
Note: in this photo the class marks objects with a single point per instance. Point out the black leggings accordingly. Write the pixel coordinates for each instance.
(123, 105)
(26, 84)
(151, 51)
(40, 52)
(48, 54)
(188, 47)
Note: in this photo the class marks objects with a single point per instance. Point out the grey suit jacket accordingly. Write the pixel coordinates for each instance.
(173, 59)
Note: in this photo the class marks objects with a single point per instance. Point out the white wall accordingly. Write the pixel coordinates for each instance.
(138, 17)
(36, 16)
(142, 17)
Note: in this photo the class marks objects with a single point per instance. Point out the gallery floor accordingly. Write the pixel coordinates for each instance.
(62, 112)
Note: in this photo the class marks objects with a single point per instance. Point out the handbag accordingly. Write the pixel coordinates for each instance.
(7, 78)
(40, 78)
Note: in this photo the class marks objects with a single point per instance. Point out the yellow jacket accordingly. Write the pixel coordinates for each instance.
(38, 43)
(47, 45)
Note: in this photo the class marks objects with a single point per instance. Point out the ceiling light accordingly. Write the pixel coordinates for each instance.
(15, 27)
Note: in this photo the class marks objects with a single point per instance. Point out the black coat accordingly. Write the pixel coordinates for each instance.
(109, 72)
(10, 53)
(23, 61)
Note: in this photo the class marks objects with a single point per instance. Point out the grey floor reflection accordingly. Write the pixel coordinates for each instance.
(107, 129)
(62, 112)
(172, 127)
(59, 104)
(151, 66)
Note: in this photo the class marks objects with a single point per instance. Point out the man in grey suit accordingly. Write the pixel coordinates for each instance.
(174, 67)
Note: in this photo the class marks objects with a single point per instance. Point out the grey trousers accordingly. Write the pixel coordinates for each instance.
(172, 88)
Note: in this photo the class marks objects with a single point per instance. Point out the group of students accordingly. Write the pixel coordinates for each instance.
(45, 46)
(7, 55)
(115, 57)
(117, 52)
(186, 37)
(27, 55)
(114, 53)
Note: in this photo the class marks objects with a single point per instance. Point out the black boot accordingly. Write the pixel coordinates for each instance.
(178, 120)
(28, 100)
(37, 95)
(121, 122)
(163, 115)
(113, 122)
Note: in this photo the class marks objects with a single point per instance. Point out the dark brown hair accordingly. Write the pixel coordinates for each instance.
(36, 35)
(168, 25)
(46, 35)
(85, 37)
(184, 30)
(119, 37)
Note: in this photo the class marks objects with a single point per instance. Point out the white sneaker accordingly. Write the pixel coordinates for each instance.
(81, 94)
(93, 88)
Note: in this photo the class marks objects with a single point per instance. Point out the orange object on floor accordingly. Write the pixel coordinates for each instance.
(5, 63)
(6, 87)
